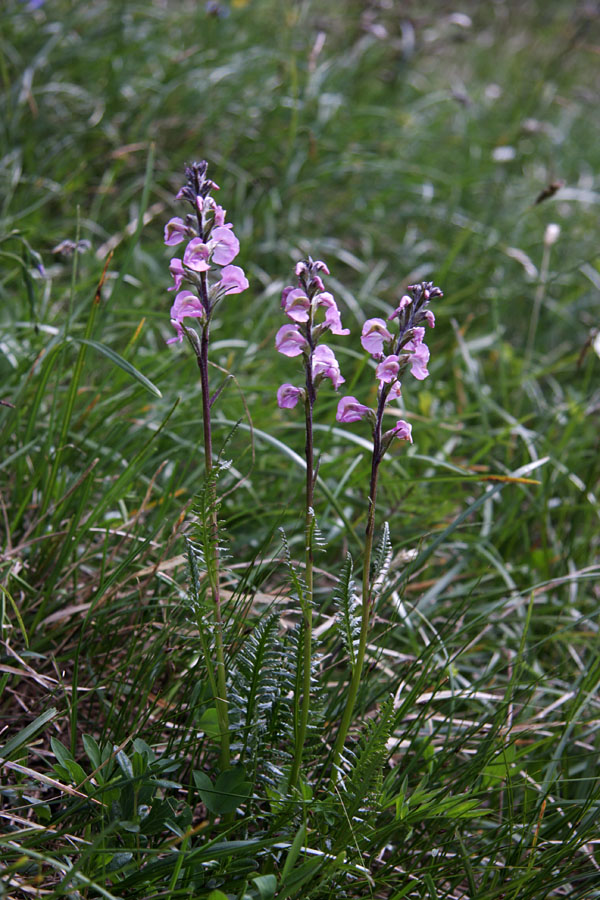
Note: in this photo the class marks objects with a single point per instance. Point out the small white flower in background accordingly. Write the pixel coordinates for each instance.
(551, 234)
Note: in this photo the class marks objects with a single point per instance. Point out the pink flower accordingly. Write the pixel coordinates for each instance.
(430, 318)
(332, 315)
(418, 335)
(176, 231)
(225, 246)
(296, 304)
(288, 396)
(290, 341)
(177, 271)
(350, 410)
(387, 369)
(419, 358)
(374, 335)
(401, 430)
(233, 280)
(320, 265)
(185, 304)
(196, 255)
(326, 365)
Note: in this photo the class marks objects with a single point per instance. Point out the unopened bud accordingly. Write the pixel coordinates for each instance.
(552, 234)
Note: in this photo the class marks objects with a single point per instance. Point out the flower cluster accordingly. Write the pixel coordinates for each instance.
(312, 311)
(211, 242)
(395, 353)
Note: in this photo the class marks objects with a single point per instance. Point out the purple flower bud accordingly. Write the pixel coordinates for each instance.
(404, 302)
(350, 410)
(288, 396)
(374, 335)
(296, 304)
(320, 265)
(317, 283)
(290, 341)
(176, 231)
(177, 271)
(387, 369)
(196, 255)
(233, 280)
(225, 245)
(430, 318)
(326, 365)
(301, 268)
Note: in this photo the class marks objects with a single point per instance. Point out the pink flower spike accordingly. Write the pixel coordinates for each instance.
(233, 280)
(177, 271)
(288, 396)
(402, 430)
(325, 364)
(296, 304)
(289, 340)
(374, 335)
(387, 369)
(430, 318)
(350, 410)
(225, 245)
(196, 256)
(186, 304)
(176, 231)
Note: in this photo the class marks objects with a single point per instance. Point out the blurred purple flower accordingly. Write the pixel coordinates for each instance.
(295, 304)
(177, 271)
(196, 255)
(176, 231)
(401, 430)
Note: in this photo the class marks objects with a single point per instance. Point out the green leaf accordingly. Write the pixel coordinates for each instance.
(60, 751)
(122, 363)
(267, 885)
(217, 895)
(229, 790)
(27, 733)
(209, 723)
(93, 750)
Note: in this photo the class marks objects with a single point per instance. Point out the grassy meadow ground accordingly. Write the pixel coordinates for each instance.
(399, 142)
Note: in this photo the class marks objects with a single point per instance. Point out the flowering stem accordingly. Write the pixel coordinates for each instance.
(307, 599)
(214, 569)
(367, 599)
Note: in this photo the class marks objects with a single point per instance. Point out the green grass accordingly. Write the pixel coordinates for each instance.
(378, 153)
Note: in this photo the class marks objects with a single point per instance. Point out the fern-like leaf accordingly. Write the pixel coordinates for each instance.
(381, 561)
(344, 599)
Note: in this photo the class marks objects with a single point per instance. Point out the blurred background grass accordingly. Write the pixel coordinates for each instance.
(398, 142)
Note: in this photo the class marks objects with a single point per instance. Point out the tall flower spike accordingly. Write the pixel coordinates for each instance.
(312, 311)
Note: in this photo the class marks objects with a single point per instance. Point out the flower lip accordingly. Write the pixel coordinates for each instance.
(374, 334)
(226, 245)
(233, 280)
